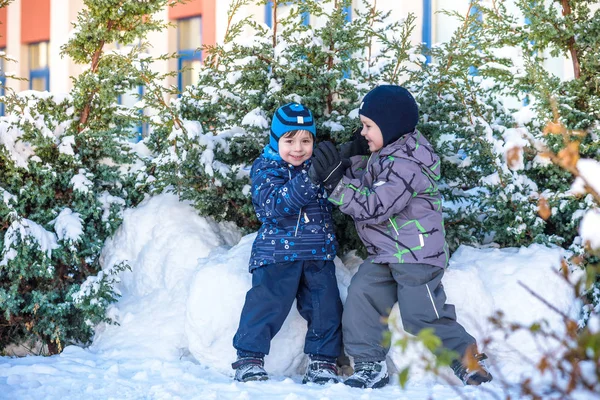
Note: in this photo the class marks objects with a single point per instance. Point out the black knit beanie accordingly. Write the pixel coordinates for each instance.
(393, 109)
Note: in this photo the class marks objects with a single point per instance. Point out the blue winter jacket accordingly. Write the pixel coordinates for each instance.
(295, 214)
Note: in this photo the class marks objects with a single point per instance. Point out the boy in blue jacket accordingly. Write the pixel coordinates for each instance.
(292, 255)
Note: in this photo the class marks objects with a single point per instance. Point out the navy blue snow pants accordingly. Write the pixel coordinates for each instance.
(274, 287)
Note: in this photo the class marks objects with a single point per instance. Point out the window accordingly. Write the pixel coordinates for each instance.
(39, 71)
(189, 41)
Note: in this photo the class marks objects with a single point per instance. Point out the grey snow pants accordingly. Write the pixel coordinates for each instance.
(417, 288)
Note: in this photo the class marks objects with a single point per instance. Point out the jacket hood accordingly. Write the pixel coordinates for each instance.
(271, 154)
(415, 147)
(274, 160)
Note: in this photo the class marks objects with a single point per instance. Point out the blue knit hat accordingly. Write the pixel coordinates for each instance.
(291, 117)
(393, 109)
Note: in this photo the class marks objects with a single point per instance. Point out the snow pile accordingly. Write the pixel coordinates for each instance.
(187, 288)
(161, 240)
(213, 312)
(181, 304)
(480, 282)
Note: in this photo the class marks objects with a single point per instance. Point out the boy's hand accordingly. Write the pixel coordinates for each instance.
(356, 147)
(327, 166)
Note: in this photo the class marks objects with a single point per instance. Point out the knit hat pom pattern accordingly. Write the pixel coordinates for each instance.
(393, 109)
(291, 117)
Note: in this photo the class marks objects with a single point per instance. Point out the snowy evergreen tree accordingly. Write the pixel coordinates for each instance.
(67, 172)
(559, 148)
(504, 183)
(226, 116)
(528, 174)
(508, 172)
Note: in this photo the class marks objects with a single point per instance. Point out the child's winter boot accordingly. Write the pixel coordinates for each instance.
(475, 371)
(369, 375)
(250, 369)
(321, 372)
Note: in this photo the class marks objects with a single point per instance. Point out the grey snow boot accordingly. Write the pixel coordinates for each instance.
(321, 372)
(250, 369)
(371, 374)
(476, 375)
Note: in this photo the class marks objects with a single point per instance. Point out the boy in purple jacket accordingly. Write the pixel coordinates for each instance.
(393, 196)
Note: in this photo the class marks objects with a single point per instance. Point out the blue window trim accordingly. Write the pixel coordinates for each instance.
(2, 82)
(306, 18)
(426, 28)
(269, 14)
(139, 128)
(348, 11)
(475, 11)
(186, 54)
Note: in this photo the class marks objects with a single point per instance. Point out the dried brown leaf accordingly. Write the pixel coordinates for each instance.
(543, 208)
(554, 128)
(543, 364)
(569, 156)
(514, 157)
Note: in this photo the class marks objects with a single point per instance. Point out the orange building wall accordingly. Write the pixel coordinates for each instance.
(35, 21)
(205, 8)
(3, 27)
(189, 9)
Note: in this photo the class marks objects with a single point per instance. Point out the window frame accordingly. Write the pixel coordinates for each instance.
(2, 79)
(426, 29)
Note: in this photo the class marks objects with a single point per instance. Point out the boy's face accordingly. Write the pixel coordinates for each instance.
(372, 133)
(295, 150)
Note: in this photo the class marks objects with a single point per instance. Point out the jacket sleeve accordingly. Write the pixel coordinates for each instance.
(387, 196)
(277, 198)
(357, 168)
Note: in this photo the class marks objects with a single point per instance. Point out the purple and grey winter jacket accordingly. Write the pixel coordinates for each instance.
(394, 200)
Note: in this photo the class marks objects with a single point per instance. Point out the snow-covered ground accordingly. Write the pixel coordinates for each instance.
(180, 308)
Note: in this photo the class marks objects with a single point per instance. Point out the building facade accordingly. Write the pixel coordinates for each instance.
(33, 31)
